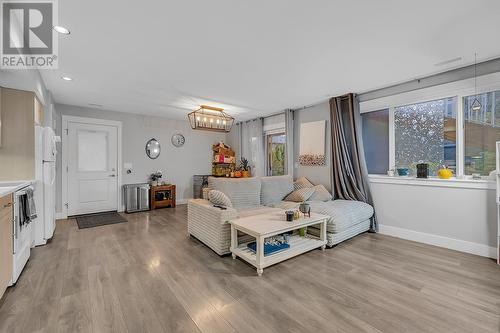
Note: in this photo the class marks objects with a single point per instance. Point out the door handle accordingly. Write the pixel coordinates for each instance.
(112, 175)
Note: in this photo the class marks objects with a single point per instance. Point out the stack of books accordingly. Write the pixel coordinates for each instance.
(270, 246)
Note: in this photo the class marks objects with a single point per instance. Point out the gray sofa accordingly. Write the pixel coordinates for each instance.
(252, 196)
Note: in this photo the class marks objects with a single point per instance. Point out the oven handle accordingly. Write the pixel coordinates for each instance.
(15, 220)
(17, 194)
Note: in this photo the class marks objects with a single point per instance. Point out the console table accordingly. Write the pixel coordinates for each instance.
(162, 196)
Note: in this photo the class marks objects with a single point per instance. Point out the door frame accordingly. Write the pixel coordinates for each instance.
(64, 164)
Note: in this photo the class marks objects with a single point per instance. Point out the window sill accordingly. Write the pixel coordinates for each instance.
(487, 184)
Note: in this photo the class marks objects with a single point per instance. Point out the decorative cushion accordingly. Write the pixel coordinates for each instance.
(302, 182)
(285, 205)
(343, 213)
(219, 198)
(300, 195)
(256, 211)
(243, 192)
(275, 188)
(205, 191)
(320, 194)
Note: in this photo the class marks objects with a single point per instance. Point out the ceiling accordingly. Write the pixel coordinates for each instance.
(256, 58)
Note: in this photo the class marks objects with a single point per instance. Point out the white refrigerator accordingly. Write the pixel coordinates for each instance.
(45, 174)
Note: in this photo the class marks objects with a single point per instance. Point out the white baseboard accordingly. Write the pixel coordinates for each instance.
(441, 241)
(60, 216)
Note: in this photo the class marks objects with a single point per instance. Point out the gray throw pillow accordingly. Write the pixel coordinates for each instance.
(320, 194)
(218, 198)
(302, 182)
(300, 195)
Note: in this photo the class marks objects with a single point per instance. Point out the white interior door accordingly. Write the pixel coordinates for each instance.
(92, 168)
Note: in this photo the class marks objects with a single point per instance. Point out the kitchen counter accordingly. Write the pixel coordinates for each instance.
(7, 188)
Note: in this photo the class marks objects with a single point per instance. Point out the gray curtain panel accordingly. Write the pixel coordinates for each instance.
(289, 165)
(349, 172)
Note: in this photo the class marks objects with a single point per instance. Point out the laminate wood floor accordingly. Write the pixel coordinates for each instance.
(147, 275)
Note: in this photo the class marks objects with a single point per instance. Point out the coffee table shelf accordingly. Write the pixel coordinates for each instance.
(271, 224)
(298, 245)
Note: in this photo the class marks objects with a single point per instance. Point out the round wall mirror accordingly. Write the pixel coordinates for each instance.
(153, 149)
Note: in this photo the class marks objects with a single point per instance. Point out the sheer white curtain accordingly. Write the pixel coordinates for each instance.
(289, 153)
(233, 139)
(252, 145)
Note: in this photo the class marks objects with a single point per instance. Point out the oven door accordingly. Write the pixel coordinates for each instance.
(21, 234)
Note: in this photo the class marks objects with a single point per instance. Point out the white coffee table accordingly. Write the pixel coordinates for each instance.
(271, 224)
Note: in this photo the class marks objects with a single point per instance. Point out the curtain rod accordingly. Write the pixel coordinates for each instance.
(311, 105)
(269, 116)
(324, 101)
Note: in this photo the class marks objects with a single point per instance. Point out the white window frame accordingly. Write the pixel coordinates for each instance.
(458, 89)
(275, 130)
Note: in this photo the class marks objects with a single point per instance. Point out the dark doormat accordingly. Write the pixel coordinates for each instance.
(95, 220)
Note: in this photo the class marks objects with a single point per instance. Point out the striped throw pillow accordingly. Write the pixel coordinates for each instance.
(302, 182)
(218, 198)
(320, 194)
(300, 195)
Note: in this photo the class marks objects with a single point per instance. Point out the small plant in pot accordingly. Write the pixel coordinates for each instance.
(245, 168)
(156, 177)
(305, 208)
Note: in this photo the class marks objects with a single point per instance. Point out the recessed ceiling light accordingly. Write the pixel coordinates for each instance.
(66, 78)
(61, 30)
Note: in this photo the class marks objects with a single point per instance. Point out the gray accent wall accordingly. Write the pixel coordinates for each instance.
(178, 164)
(316, 174)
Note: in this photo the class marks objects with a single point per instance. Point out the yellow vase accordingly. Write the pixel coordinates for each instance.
(445, 173)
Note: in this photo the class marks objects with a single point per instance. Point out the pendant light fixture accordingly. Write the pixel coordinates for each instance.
(476, 105)
(210, 118)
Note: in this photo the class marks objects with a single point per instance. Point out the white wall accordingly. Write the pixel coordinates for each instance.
(459, 218)
(316, 174)
(178, 164)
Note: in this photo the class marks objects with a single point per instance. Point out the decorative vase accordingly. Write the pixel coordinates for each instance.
(422, 170)
(445, 173)
(305, 208)
(403, 171)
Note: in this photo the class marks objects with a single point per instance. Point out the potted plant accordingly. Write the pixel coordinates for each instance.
(305, 208)
(245, 168)
(156, 177)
